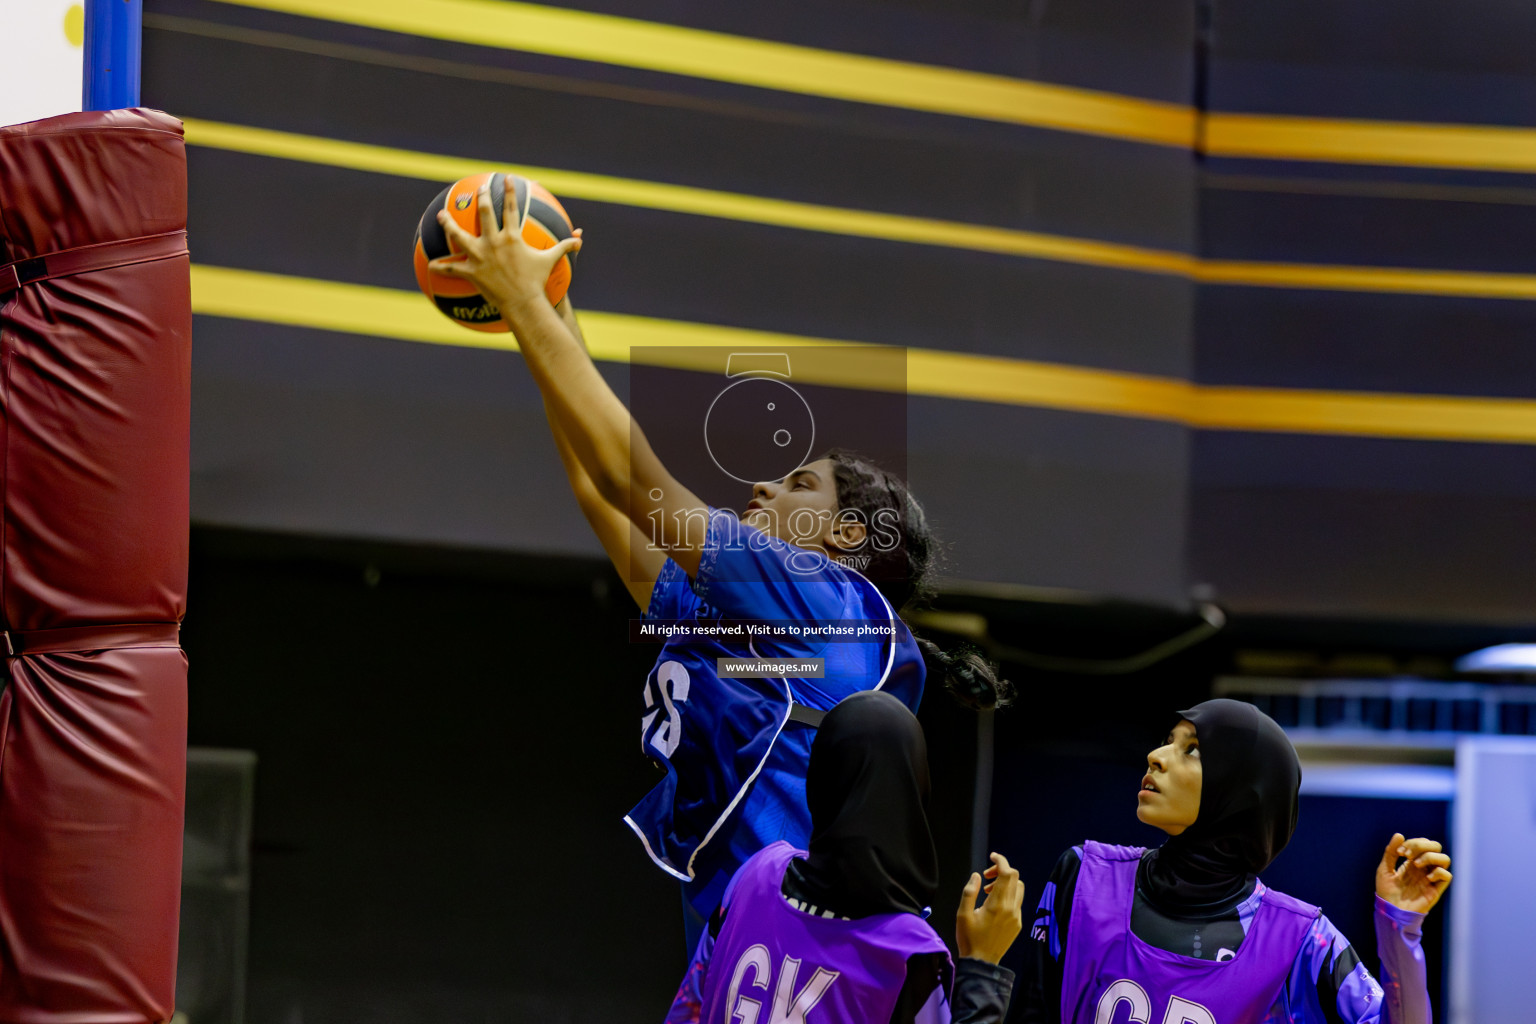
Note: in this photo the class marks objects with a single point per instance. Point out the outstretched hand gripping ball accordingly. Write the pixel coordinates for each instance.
(542, 219)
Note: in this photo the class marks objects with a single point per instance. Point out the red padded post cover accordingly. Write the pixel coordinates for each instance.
(94, 416)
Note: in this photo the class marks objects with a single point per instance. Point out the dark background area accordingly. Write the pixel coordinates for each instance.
(447, 748)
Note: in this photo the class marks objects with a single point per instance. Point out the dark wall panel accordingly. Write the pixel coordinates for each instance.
(345, 435)
(1416, 529)
(1364, 527)
(1469, 229)
(1285, 338)
(1420, 60)
(1113, 45)
(1059, 499)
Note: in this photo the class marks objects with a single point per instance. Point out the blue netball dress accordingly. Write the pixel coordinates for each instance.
(734, 762)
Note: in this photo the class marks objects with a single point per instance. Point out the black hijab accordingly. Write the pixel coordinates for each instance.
(867, 788)
(1248, 803)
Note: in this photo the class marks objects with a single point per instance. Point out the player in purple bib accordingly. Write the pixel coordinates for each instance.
(839, 934)
(1187, 934)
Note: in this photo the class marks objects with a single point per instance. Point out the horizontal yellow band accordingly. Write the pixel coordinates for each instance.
(1389, 143)
(1391, 280)
(742, 60)
(864, 223)
(784, 67)
(1364, 414)
(686, 199)
(614, 337)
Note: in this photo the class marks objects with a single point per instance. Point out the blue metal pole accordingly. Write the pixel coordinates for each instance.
(112, 30)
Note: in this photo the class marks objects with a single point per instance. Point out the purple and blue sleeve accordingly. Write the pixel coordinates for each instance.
(688, 1004)
(1330, 985)
(1040, 997)
(1044, 930)
(1399, 942)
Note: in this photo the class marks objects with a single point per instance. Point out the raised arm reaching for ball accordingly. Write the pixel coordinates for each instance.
(698, 564)
(610, 446)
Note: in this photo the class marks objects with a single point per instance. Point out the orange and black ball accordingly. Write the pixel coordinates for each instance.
(543, 220)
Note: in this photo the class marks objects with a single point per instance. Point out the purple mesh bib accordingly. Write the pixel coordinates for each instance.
(772, 962)
(1109, 976)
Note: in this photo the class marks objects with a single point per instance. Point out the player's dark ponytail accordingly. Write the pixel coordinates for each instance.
(902, 572)
(968, 676)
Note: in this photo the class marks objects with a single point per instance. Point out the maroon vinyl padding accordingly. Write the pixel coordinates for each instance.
(95, 336)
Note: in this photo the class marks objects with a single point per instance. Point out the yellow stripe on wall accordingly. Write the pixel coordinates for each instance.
(686, 199)
(957, 92)
(389, 313)
(1389, 280)
(741, 60)
(615, 337)
(1388, 143)
(865, 223)
(1364, 414)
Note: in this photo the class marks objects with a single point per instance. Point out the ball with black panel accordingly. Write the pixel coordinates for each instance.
(542, 219)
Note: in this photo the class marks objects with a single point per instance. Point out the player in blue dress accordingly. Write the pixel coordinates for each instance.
(734, 750)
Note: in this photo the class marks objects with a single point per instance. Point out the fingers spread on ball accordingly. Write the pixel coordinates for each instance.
(455, 232)
(487, 211)
(451, 266)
